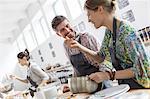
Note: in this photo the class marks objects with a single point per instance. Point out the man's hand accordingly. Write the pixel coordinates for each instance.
(71, 43)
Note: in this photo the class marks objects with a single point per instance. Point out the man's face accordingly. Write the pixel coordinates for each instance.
(64, 29)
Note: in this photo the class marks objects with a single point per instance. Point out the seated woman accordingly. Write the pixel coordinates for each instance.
(35, 75)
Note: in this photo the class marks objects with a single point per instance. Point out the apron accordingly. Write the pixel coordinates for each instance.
(83, 67)
(33, 87)
(116, 62)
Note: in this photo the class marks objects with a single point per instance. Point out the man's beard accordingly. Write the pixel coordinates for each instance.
(71, 34)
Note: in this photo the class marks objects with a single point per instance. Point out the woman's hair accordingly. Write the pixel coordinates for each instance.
(24, 54)
(108, 5)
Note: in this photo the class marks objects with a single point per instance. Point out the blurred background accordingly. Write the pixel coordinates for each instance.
(27, 24)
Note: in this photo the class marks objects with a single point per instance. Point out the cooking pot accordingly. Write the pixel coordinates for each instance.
(82, 84)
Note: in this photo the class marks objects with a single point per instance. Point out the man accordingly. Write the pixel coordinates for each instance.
(82, 64)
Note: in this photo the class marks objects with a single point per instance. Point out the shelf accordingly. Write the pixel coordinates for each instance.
(58, 68)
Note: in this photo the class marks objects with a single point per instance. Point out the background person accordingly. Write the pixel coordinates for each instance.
(35, 75)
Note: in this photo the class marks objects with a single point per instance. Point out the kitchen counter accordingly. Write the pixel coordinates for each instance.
(69, 95)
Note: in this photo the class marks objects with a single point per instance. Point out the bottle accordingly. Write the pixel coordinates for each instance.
(145, 34)
(141, 35)
(148, 31)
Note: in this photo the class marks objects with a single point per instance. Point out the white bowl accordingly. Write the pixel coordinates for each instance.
(47, 93)
(135, 95)
(111, 93)
(7, 87)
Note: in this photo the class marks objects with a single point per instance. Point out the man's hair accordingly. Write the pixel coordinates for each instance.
(57, 20)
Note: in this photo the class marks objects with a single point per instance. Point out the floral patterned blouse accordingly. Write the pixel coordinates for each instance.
(129, 50)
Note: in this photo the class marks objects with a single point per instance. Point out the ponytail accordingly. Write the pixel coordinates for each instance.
(24, 54)
(27, 54)
(113, 4)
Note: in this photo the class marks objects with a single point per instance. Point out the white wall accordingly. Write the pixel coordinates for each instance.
(89, 27)
(7, 59)
(46, 52)
(141, 11)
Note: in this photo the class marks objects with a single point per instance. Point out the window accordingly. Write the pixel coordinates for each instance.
(21, 43)
(59, 8)
(76, 28)
(50, 45)
(42, 59)
(49, 13)
(31, 57)
(53, 54)
(39, 32)
(44, 27)
(39, 52)
(29, 38)
(82, 26)
(74, 8)
(82, 3)
(15, 45)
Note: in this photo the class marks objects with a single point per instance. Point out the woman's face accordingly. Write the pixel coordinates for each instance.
(95, 17)
(23, 61)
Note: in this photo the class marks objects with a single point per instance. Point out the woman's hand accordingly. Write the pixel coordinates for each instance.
(71, 43)
(43, 83)
(2, 88)
(99, 76)
(12, 77)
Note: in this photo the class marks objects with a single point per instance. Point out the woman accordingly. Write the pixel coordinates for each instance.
(2, 88)
(35, 75)
(121, 46)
